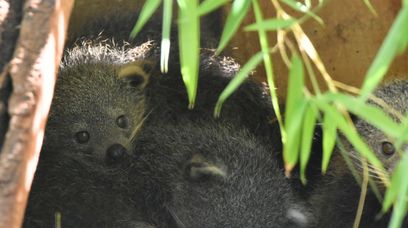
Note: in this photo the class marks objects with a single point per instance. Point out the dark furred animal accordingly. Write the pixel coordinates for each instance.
(335, 196)
(395, 96)
(84, 167)
(97, 109)
(206, 174)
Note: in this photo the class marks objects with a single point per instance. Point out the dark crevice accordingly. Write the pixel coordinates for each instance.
(9, 31)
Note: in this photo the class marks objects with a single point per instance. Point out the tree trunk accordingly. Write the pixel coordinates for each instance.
(31, 73)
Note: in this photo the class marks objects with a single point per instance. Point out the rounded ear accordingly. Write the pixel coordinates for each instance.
(199, 169)
(136, 74)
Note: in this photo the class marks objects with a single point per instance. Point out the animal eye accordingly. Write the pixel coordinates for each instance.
(135, 80)
(82, 137)
(122, 121)
(387, 148)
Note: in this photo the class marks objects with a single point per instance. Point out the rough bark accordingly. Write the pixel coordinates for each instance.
(10, 17)
(32, 71)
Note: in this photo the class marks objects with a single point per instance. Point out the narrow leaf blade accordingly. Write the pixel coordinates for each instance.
(395, 42)
(237, 81)
(165, 43)
(295, 105)
(398, 192)
(349, 132)
(189, 43)
(210, 5)
(372, 114)
(309, 123)
(234, 19)
(329, 140)
(147, 11)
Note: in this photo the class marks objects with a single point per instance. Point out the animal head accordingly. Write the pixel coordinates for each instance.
(98, 105)
(394, 98)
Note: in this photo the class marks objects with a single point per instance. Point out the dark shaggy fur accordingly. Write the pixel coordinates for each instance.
(86, 176)
(335, 196)
(94, 115)
(205, 174)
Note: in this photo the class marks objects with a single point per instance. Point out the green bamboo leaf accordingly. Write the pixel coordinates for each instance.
(189, 43)
(271, 24)
(303, 8)
(395, 42)
(370, 113)
(397, 192)
(295, 105)
(309, 123)
(404, 131)
(263, 40)
(295, 87)
(293, 132)
(165, 43)
(234, 19)
(147, 11)
(392, 192)
(210, 5)
(349, 132)
(329, 140)
(237, 81)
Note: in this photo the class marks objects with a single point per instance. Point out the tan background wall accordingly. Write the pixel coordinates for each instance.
(347, 43)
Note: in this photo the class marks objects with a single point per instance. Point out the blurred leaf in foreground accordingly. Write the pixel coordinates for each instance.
(189, 43)
(237, 81)
(165, 43)
(395, 42)
(329, 140)
(147, 11)
(309, 123)
(238, 12)
(397, 193)
(210, 5)
(295, 107)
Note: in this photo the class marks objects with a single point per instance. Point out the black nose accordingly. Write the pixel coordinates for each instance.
(115, 153)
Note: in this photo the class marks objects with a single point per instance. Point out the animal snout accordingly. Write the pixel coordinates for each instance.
(115, 153)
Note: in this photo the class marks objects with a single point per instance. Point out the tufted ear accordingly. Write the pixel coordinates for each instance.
(199, 169)
(136, 74)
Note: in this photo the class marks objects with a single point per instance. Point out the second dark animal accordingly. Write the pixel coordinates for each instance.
(205, 174)
(335, 197)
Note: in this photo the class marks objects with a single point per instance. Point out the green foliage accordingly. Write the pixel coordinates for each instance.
(295, 107)
(237, 81)
(303, 110)
(265, 48)
(397, 193)
(395, 42)
(147, 11)
(329, 140)
(210, 5)
(189, 42)
(238, 11)
(304, 8)
(309, 122)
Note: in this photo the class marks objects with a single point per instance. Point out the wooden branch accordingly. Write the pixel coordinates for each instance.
(33, 72)
(10, 18)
